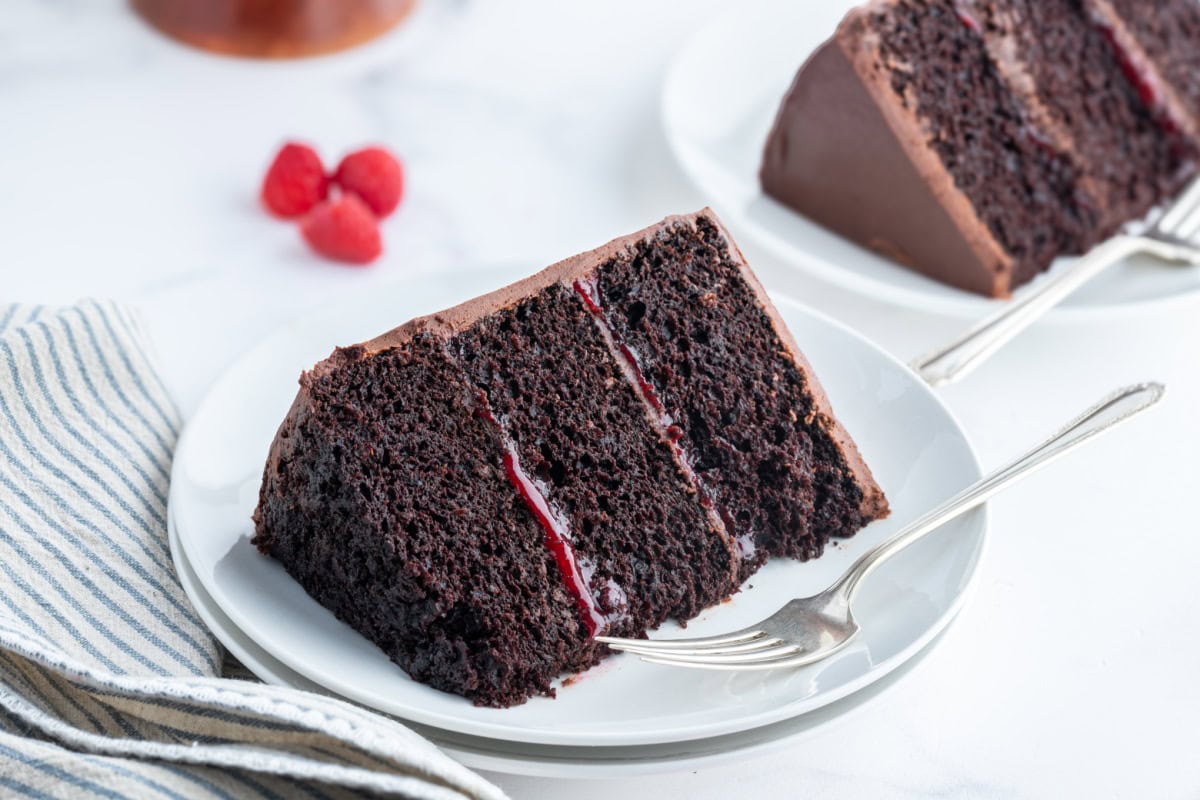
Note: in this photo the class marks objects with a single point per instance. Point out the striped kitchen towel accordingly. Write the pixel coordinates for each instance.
(110, 686)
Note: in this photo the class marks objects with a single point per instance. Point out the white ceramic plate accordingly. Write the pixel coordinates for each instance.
(549, 761)
(719, 100)
(916, 449)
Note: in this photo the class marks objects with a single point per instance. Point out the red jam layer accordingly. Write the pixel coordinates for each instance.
(554, 528)
(587, 290)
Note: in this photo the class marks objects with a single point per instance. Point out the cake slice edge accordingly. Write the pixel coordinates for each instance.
(866, 174)
(874, 504)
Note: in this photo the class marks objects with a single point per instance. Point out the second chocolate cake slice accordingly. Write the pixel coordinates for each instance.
(978, 140)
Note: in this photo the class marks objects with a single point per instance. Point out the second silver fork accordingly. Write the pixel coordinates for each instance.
(1173, 236)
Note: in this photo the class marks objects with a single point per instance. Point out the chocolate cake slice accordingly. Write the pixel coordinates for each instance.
(977, 140)
(616, 441)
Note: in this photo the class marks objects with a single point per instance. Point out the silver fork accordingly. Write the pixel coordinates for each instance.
(812, 628)
(1174, 235)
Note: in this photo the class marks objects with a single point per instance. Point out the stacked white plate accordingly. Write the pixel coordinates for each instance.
(624, 715)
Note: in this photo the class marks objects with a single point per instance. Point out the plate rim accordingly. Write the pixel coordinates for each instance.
(487, 729)
(962, 304)
(545, 762)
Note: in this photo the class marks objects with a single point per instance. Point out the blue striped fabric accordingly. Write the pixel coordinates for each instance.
(110, 686)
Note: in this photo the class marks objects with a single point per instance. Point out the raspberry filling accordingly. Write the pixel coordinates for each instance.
(554, 527)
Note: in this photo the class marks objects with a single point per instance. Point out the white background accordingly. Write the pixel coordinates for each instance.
(129, 168)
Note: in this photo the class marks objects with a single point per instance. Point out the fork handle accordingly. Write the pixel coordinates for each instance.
(972, 348)
(1116, 408)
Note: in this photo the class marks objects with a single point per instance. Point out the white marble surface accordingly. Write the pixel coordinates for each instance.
(129, 167)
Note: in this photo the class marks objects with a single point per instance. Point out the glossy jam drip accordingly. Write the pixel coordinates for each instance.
(553, 527)
(672, 433)
(587, 290)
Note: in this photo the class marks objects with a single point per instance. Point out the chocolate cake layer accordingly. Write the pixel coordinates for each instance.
(481, 491)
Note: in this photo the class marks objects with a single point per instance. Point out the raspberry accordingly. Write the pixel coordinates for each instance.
(344, 230)
(295, 182)
(375, 175)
